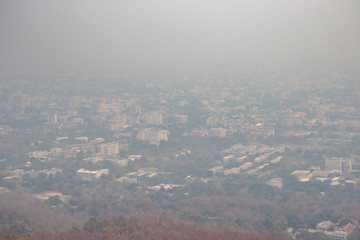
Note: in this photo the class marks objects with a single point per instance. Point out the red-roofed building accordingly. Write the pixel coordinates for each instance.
(349, 228)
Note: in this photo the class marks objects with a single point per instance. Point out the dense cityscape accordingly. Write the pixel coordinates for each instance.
(237, 153)
(179, 119)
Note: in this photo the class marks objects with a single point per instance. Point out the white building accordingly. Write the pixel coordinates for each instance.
(117, 122)
(88, 175)
(245, 166)
(127, 179)
(217, 132)
(153, 135)
(122, 162)
(153, 118)
(342, 165)
(52, 118)
(180, 118)
(40, 155)
(276, 182)
(211, 121)
(232, 171)
(216, 169)
(15, 174)
(109, 149)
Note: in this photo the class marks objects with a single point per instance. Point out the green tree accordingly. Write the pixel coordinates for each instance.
(54, 201)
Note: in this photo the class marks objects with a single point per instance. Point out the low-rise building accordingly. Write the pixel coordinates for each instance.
(276, 182)
(88, 175)
(125, 179)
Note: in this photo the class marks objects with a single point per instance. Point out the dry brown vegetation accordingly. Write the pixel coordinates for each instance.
(22, 209)
(147, 227)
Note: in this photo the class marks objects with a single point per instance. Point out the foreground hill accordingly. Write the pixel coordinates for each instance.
(140, 227)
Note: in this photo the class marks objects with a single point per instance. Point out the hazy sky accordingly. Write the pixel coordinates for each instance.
(100, 37)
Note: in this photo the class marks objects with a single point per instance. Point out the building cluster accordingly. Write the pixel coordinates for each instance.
(337, 171)
(110, 132)
(254, 159)
(342, 229)
(142, 175)
(297, 119)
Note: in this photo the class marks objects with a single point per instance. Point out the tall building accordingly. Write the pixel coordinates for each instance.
(52, 118)
(211, 121)
(342, 165)
(153, 135)
(153, 118)
(217, 132)
(109, 149)
(117, 122)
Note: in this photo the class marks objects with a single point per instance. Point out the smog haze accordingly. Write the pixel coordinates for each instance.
(122, 37)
